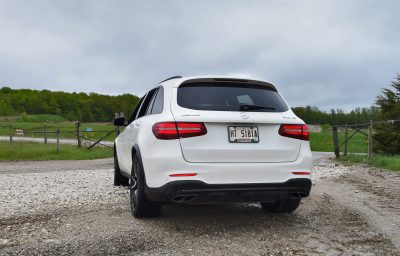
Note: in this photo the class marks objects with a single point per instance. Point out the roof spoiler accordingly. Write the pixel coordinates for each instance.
(233, 80)
(172, 77)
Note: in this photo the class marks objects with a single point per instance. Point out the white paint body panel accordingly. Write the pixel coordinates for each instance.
(162, 159)
(211, 156)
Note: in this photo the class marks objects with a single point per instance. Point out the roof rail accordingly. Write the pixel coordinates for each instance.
(172, 77)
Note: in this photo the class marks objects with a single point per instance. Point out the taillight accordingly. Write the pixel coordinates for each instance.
(301, 173)
(165, 131)
(296, 131)
(183, 174)
(176, 130)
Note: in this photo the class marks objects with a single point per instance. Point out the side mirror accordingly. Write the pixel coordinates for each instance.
(119, 121)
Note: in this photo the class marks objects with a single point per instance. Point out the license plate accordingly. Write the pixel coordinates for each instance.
(243, 134)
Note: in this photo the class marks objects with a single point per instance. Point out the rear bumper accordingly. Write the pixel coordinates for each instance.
(192, 191)
(164, 158)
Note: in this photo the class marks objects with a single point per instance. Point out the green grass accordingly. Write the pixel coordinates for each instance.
(41, 118)
(380, 161)
(34, 118)
(18, 151)
(322, 141)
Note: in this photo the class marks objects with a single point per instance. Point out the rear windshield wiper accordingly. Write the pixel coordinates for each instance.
(244, 107)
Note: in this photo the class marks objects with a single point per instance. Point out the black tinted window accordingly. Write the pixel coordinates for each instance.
(146, 103)
(135, 111)
(227, 96)
(150, 106)
(158, 102)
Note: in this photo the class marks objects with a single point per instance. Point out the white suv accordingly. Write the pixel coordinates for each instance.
(213, 140)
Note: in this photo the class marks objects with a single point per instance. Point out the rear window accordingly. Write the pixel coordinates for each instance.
(217, 96)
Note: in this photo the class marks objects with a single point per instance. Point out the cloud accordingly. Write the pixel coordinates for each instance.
(332, 54)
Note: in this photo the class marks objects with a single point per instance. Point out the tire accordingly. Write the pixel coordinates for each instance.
(119, 179)
(281, 206)
(140, 206)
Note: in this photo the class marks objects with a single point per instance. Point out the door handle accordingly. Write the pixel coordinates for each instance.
(137, 124)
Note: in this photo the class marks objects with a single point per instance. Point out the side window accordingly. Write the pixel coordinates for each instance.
(150, 106)
(136, 110)
(158, 105)
(146, 103)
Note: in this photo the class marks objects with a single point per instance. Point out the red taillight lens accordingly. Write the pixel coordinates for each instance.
(175, 130)
(183, 174)
(165, 131)
(301, 173)
(186, 130)
(296, 131)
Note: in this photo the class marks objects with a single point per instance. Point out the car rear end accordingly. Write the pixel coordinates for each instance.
(230, 140)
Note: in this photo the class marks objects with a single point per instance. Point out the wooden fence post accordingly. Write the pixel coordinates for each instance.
(336, 141)
(370, 140)
(45, 134)
(346, 134)
(117, 130)
(10, 129)
(78, 133)
(58, 140)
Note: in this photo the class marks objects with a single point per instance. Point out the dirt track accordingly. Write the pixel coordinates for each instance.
(64, 208)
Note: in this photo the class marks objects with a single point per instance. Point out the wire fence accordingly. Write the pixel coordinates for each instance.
(88, 138)
(350, 131)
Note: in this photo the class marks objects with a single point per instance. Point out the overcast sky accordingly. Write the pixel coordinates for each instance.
(331, 54)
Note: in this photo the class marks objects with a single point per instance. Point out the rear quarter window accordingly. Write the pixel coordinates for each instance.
(157, 108)
(225, 96)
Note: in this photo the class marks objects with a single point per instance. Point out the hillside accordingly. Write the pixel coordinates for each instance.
(72, 106)
(95, 107)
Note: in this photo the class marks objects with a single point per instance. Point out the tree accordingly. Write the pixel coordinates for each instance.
(73, 106)
(5, 90)
(5, 108)
(388, 135)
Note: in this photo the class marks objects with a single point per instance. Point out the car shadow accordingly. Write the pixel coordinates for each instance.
(206, 219)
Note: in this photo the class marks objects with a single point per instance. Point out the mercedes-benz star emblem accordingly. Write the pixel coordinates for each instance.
(244, 115)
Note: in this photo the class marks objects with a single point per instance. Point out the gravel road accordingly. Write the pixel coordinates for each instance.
(72, 208)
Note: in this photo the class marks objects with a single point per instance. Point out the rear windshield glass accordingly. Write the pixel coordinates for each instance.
(230, 97)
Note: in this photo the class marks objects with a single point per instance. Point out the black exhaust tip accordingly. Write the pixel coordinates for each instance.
(183, 198)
